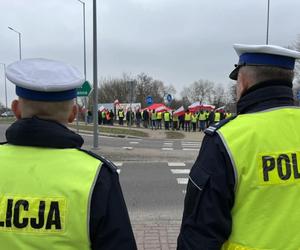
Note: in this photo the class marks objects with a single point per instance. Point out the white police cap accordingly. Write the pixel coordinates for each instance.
(264, 55)
(42, 79)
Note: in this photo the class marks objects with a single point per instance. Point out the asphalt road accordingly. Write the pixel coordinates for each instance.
(153, 173)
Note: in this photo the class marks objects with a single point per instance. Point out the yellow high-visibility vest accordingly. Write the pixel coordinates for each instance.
(153, 116)
(188, 116)
(265, 152)
(194, 118)
(175, 118)
(217, 117)
(167, 116)
(121, 114)
(159, 116)
(45, 197)
(202, 117)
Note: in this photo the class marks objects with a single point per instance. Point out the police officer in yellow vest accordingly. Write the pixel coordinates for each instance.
(167, 119)
(53, 194)
(244, 191)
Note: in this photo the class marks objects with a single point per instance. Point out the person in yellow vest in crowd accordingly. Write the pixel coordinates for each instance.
(103, 115)
(243, 191)
(175, 120)
(158, 120)
(121, 116)
(217, 117)
(187, 120)
(228, 115)
(167, 120)
(55, 195)
(194, 121)
(202, 116)
(153, 119)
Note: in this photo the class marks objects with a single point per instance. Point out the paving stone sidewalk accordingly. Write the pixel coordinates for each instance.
(156, 235)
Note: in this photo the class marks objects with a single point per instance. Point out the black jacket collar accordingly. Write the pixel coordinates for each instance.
(42, 133)
(265, 95)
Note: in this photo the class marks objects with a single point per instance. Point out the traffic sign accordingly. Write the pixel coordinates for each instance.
(149, 100)
(85, 89)
(168, 98)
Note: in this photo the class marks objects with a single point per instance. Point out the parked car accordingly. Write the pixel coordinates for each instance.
(7, 114)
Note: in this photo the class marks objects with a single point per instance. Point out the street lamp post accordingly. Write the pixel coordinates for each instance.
(84, 54)
(95, 75)
(20, 47)
(268, 19)
(5, 86)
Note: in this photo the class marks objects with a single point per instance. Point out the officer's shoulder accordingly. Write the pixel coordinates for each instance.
(107, 163)
(212, 129)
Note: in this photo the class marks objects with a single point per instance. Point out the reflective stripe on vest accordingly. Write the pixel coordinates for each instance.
(188, 116)
(265, 151)
(217, 117)
(45, 197)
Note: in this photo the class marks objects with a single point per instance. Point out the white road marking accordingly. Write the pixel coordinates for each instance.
(128, 148)
(176, 164)
(182, 181)
(191, 146)
(190, 142)
(180, 171)
(118, 163)
(167, 143)
(134, 142)
(184, 191)
(167, 149)
(190, 149)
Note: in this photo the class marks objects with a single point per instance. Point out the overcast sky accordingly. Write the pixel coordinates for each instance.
(176, 41)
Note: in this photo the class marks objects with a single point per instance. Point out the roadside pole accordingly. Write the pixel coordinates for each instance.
(95, 76)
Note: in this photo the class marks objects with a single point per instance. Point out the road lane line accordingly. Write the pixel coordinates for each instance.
(128, 148)
(176, 164)
(167, 149)
(190, 149)
(180, 171)
(182, 181)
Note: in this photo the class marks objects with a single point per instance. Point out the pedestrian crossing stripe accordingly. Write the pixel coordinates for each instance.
(119, 171)
(176, 164)
(167, 149)
(180, 171)
(190, 149)
(134, 142)
(182, 181)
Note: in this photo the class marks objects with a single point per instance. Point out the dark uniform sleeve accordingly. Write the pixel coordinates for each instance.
(110, 226)
(206, 222)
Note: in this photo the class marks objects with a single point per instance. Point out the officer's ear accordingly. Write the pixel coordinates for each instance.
(15, 107)
(73, 113)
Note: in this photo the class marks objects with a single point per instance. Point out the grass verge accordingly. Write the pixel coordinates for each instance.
(112, 130)
(174, 135)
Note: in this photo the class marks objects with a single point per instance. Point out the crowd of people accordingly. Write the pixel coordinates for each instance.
(186, 121)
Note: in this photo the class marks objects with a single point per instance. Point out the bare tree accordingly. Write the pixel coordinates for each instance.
(201, 90)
